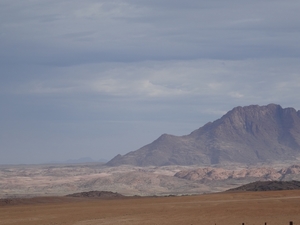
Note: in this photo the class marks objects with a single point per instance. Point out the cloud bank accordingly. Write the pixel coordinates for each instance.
(98, 78)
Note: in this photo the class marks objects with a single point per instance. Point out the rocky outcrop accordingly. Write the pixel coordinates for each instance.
(269, 186)
(97, 194)
(250, 134)
(213, 174)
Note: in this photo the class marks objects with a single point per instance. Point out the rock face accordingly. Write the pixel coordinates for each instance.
(250, 134)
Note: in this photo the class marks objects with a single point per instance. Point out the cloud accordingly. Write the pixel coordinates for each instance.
(134, 88)
(236, 95)
(243, 80)
(70, 69)
(64, 33)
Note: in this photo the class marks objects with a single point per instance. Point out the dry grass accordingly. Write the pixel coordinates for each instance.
(275, 208)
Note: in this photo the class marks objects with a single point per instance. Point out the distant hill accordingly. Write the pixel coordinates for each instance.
(97, 194)
(269, 186)
(78, 161)
(205, 174)
(250, 134)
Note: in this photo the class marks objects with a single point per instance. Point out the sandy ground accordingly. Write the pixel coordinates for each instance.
(275, 208)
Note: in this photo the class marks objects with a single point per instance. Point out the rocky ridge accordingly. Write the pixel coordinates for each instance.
(250, 135)
(97, 194)
(214, 174)
(269, 186)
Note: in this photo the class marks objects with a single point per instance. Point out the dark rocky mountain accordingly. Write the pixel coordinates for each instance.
(250, 134)
(269, 186)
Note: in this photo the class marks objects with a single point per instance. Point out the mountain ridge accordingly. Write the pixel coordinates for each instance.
(204, 174)
(268, 186)
(249, 134)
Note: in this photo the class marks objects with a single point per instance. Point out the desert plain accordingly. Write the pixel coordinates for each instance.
(35, 195)
(227, 208)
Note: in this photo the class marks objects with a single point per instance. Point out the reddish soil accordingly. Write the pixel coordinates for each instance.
(275, 208)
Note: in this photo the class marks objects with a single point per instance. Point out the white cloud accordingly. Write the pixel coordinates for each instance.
(236, 95)
(137, 88)
(246, 80)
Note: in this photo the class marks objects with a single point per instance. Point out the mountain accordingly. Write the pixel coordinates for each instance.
(250, 134)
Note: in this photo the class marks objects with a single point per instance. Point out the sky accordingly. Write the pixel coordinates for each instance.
(100, 78)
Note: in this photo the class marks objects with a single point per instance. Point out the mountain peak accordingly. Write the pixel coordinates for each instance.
(248, 134)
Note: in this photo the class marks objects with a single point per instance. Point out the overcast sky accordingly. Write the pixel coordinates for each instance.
(98, 78)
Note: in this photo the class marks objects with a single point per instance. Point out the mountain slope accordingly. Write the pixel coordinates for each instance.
(248, 134)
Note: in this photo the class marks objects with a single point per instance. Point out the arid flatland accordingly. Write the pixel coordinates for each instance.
(275, 208)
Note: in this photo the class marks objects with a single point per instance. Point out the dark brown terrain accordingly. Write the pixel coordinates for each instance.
(250, 208)
(249, 135)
